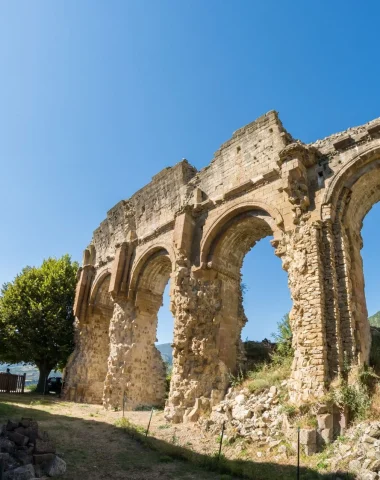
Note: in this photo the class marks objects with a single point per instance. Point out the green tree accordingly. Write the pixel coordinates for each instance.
(283, 338)
(36, 316)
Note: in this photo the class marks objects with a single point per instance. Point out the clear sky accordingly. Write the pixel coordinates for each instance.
(98, 96)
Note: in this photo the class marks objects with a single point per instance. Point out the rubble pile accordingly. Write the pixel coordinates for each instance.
(360, 451)
(253, 416)
(26, 453)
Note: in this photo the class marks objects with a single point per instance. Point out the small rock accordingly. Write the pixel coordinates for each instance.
(273, 391)
(367, 439)
(21, 473)
(11, 426)
(355, 465)
(6, 445)
(239, 412)
(282, 449)
(18, 438)
(240, 399)
(56, 467)
(367, 475)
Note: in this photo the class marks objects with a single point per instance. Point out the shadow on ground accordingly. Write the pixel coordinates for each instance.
(97, 450)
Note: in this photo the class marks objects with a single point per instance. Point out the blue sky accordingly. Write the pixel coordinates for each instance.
(96, 97)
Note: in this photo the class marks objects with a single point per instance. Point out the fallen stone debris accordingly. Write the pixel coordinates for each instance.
(26, 453)
(360, 451)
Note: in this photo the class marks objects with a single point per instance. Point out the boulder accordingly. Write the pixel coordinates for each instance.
(6, 445)
(25, 472)
(18, 438)
(240, 412)
(56, 467)
(11, 426)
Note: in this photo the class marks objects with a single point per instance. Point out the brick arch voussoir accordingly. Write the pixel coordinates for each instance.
(345, 177)
(97, 283)
(213, 226)
(143, 259)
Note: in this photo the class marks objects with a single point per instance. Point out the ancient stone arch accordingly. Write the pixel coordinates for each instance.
(194, 228)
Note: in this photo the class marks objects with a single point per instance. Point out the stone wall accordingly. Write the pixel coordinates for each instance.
(194, 229)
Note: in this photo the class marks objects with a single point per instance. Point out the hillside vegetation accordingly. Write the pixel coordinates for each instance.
(374, 320)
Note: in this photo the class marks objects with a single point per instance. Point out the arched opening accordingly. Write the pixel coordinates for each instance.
(165, 333)
(149, 369)
(266, 298)
(97, 337)
(371, 262)
(232, 243)
(358, 195)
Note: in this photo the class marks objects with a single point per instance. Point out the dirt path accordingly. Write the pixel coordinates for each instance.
(93, 447)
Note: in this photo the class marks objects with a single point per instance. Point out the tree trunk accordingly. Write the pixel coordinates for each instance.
(44, 370)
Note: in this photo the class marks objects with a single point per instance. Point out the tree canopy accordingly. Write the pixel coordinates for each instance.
(36, 316)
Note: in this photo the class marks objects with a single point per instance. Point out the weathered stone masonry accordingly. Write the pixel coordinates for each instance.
(195, 228)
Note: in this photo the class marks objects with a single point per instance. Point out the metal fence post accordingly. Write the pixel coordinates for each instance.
(298, 453)
(150, 419)
(221, 441)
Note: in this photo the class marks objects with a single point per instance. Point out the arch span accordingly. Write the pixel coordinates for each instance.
(215, 225)
(150, 276)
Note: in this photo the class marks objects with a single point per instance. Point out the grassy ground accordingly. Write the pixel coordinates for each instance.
(96, 449)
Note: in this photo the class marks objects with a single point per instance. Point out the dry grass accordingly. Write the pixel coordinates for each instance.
(266, 375)
(93, 447)
(99, 445)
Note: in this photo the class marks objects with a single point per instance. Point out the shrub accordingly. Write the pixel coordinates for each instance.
(258, 385)
(374, 359)
(283, 338)
(168, 376)
(238, 379)
(354, 397)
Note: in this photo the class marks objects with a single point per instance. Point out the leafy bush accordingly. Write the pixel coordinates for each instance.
(354, 397)
(168, 377)
(238, 379)
(283, 338)
(374, 359)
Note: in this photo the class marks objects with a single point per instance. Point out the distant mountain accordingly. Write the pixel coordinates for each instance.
(374, 320)
(166, 352)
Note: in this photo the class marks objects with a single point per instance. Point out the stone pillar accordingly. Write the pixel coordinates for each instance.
(332, 309)
(300, 251)
(135, 366)
(119, 363)
(199, 377)
(358, 306)
(343, 271)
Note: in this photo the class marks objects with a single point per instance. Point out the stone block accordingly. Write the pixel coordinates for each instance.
(310, 449)
(308, 436)
(325, 421)
(40, 458)
(56, 467)
(11, 426)
(18, 438)
(25, 472)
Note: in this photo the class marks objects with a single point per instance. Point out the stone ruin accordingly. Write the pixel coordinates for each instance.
(26, 453)
(195, 228)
